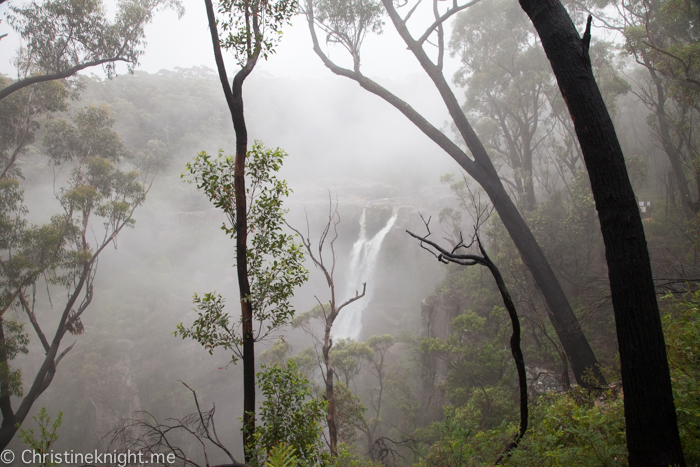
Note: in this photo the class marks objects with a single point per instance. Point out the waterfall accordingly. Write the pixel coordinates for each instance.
(363, 261)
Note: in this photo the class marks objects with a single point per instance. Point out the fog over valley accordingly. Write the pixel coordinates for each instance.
(436, 259)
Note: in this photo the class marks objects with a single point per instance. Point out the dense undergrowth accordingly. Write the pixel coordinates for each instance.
(578, 426)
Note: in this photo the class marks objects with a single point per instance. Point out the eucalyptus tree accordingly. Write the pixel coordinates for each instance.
(513, 99)
(347, 23)
(97, 203)
(506, 76)
(62, 37)
(252, 29)
(20, 119)
(662, 37)
(650, 417)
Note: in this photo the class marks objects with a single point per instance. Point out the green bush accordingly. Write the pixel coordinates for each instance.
(289, 416)
(578, 427)
(682, 333)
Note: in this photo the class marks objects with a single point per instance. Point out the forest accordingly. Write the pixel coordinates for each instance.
(350, 233)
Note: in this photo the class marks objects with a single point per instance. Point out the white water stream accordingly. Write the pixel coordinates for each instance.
(363, 261)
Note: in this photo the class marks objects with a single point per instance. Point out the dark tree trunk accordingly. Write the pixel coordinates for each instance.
(652, 431)
(453, 256)
(234, 99)
(242, 265)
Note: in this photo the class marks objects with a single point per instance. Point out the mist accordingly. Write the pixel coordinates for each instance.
(446, 374)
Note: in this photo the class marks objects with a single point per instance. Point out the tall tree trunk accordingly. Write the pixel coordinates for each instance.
(242, 265)
(652, 431)
(234, 99)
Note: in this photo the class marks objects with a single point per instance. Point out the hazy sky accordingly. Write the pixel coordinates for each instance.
(186, 42)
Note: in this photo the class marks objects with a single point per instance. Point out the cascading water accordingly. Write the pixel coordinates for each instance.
(363, 261)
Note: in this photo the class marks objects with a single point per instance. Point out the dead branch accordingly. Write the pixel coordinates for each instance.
(144, 433)
(453, 256)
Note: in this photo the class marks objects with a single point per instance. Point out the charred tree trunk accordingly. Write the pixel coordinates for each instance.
(242, 265)
(652, 430)
(234, 99)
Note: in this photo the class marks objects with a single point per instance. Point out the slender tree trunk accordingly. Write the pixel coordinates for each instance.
(242, 266)
(652, 430)
(517, 352)
(330, 395)
(234, 99)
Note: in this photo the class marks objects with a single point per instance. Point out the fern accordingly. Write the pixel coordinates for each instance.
(282, 455)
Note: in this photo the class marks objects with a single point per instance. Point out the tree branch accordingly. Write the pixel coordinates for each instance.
(35, 323)
(448, 14)
(516, 351)
(17, 85)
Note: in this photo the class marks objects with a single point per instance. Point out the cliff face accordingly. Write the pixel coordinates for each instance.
(114, 392)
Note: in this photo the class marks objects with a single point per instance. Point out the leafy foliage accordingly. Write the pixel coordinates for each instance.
(20, 118)
(64, 251)
(579, 426)
(61, 34)
(668, 40)
(277, 354)
(88, 135)
(14, 342)
(274, 260)
(348, 22)
(47, 436)
(475, 355)
(682, 332)
(282, 455)
(575, 428)
(254, 26)
(288, 415)
(348, 357)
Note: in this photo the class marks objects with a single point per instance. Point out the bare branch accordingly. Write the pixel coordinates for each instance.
(355, 298)
(516, 351)
(448, 14)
